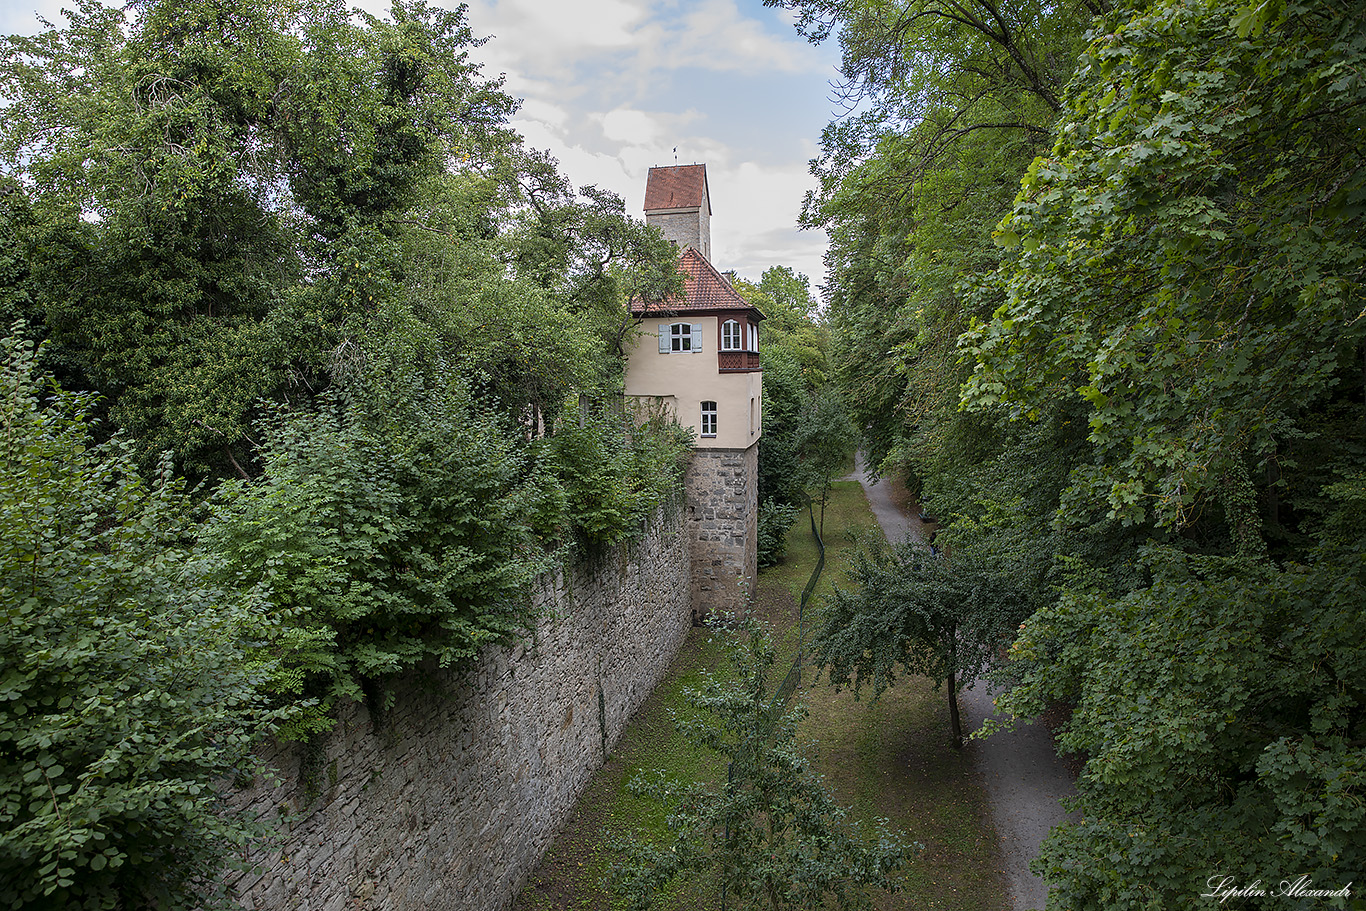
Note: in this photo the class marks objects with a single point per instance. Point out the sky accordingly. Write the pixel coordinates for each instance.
(611, 88)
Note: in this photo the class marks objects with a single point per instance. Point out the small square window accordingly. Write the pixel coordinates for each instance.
(680, 337)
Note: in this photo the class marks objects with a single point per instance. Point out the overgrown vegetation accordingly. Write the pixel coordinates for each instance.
(129, 698)
(884, 759)
(295, 252)
(1097, 291)
(770, 836)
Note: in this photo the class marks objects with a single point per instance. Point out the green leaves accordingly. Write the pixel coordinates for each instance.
(1161, 374)
(770, 837)
(911, 610)
(1172, 258)
(125, 699)
(391, 525)
(1214, 706)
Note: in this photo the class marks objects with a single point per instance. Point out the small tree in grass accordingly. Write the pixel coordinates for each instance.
(912, 611)
(825, 440)
(770, 837)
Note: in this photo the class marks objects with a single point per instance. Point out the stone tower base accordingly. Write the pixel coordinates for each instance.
(723, 528)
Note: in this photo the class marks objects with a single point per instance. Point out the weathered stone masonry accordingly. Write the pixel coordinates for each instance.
(723, 512)
(451, 803)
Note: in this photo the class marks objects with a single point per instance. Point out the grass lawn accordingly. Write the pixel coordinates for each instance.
(890, 759)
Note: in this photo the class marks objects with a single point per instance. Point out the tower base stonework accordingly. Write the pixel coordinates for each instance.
(723, 527)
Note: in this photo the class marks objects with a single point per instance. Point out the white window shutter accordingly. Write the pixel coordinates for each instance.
(663, 338)
(696, 337)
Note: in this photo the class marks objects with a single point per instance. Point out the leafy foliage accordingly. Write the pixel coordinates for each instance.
(917, 611)
(221, 202)
(1221, 713)
(1191, 256)
(824, 443)
(372, 560)
(771, 837)
(795, 345)
(298, 246)
(949, 103)
(1160, 379)
(616, 471)
(774, 521)
(126, 699)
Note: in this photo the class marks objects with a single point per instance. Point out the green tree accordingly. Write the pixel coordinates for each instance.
(1162, 380)
(824, 443)
(127, 700)
(794, 346)
(919, 611)
(771, 837)
(217, 193)
(1189, 274)
(1221, 714)
(949, 103)
(1190, 255)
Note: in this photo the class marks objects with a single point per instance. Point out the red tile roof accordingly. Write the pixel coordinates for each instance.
(679, 187)
(703, 289)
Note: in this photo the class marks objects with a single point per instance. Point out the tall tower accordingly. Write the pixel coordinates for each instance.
(678, 203)
(697, 355)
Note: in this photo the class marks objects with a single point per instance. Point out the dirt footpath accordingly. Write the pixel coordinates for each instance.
(1024, 777)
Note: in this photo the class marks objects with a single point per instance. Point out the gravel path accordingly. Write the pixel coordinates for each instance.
(1024, 777)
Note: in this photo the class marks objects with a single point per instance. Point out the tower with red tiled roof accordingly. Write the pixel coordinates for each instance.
(696, 355)
(678, 202)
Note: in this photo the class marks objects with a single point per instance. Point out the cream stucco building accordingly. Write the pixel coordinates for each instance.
(697, 355)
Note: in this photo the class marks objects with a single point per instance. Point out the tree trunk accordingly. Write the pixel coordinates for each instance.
(954, 724)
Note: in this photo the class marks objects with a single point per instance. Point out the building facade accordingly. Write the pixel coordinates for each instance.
(697, 357)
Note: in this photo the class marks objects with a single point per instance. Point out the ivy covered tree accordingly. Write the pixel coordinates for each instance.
(129, 697)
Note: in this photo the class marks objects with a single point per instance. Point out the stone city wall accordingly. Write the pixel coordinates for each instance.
(452, 800)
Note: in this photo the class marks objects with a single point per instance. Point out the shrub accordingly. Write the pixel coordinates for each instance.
(124, 699)
(393, 524)
(772, 837)
(616, 471)
(774, 520)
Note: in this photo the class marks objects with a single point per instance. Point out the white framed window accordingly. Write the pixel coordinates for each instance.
(680, 337)
(753, 337)
(708, 419)
(732, 335)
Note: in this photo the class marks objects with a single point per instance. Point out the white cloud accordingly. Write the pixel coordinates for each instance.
(628, 39)
(715, 35)
(551, 38)
(754, 225)
(629, 126)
